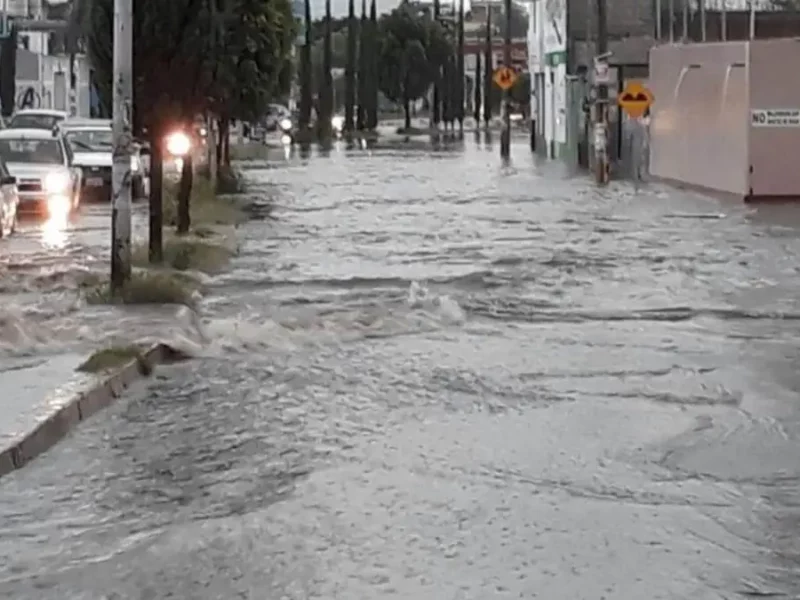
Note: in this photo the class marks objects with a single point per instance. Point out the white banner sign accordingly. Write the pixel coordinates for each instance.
(775, 117)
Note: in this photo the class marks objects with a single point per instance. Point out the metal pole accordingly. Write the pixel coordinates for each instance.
(685, 21)
(659, 17)
(703, 20)
(505, 138)
(752, 8)
(123, 140)
(671, 21)
(211, 121)
(723, 15)
(601, 165)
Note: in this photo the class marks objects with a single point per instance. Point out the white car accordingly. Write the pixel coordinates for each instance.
(92, 144)
(36, 118)
(41, 162)
(9, 201)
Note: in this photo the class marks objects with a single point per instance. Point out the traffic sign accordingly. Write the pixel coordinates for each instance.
(505, 77)
(635, 99)
(601, 72)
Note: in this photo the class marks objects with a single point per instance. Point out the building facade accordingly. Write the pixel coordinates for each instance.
(562, 47)
(43, 69)
(547, 59)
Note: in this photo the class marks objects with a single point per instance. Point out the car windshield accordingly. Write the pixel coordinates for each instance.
(34, 121)
(90, 140)
(20, 150)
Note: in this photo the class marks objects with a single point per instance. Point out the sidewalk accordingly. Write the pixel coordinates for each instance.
(35, 388)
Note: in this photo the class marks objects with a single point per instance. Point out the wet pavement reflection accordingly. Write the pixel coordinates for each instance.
(428, 375)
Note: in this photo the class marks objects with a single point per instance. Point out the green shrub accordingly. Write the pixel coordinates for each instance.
(114, 357)
(148, 287)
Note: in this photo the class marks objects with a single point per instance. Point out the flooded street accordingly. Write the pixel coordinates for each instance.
(429, 376)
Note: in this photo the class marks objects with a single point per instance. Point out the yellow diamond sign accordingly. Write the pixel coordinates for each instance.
(505, 77)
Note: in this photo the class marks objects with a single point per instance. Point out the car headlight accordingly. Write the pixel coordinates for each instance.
(56, 183)
(286, 124)
(178, 143)
(337, 122)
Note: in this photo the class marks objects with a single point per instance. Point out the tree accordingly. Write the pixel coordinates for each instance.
(477, 89)
(488, 66)
(325, 112)
(350, 68)
(182, 71)
(408, 56)
(373, 68)
(363, 69)
(437, 99)
(460, 69)
(306, 77)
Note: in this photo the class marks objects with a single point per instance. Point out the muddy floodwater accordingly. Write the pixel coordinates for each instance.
(430, 376)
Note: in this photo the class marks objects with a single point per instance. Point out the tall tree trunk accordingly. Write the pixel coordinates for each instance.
(350, 67)
(372, 104)
(460, 68)
(363, 68)
(488, 66)
(306, 79)
(185, 194)
(156, 239)
(220, 140)
(478, 87)
(225, 142)
(325, 113)
(436, 109)
(447, 92)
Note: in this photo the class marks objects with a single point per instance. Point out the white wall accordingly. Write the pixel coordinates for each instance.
(40, 73)
(554, 51)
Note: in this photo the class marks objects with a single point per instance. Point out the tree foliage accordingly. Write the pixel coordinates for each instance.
(412, 50)
(191, 57)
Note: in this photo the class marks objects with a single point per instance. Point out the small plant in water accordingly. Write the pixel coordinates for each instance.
(161, 287)
(114, 357)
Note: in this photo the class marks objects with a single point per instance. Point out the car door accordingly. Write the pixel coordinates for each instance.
(9, 198)
(76, 174)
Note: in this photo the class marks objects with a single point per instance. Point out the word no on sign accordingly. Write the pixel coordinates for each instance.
(775, 117)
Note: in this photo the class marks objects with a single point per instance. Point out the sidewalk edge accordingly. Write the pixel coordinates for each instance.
(81, 406)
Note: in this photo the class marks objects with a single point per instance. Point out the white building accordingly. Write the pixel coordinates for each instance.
(42, 79)
(547, 57)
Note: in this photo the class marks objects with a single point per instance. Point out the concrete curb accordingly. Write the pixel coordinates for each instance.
(81, 406)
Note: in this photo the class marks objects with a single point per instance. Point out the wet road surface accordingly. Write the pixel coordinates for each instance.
(430, 376)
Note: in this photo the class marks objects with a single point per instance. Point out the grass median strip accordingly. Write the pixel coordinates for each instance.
(114, 357)
(149, 287)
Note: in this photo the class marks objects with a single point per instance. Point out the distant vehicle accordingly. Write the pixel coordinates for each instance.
(92, 143)
(9, 201)
(36, 118)
(277, 117)
(41, 162)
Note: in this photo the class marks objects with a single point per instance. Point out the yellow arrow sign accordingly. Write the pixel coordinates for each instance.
(505, 77)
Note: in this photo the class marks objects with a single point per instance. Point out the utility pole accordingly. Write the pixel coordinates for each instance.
(123, 140)
(601, 102)
(505, 137)
(211, 120)
(436, 114)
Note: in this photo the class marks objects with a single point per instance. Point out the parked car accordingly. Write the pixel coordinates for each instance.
(41, 162)
(92, 144)
(9, 201)
(36, 118)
